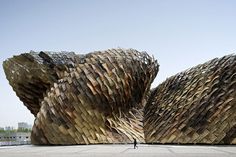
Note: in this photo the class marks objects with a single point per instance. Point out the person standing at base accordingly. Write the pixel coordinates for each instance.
(135, 143)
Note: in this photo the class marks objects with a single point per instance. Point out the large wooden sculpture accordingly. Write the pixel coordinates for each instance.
(105, 97)
(194, 106)
(83, 99)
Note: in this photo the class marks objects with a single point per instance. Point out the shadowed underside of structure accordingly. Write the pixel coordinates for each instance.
(105, 97)
(82, 99)
(194, 106)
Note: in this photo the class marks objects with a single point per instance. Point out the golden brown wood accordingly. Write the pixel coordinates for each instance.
(100, 97)
(95, 98)
(195, 106)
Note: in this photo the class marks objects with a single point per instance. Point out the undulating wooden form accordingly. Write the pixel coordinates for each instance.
(32, 74)
(105, 97)
(83, 99)
(194, 106)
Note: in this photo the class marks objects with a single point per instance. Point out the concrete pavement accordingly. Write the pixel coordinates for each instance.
(117, 150)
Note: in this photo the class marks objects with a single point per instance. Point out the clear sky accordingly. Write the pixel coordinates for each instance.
(179, 33)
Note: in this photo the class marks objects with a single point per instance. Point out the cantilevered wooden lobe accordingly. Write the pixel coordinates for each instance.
(32, 74)
(83, 99)
(194, 106)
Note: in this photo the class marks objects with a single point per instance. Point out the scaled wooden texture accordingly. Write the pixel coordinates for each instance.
(194, 106)
(32, 74)
(95, 98)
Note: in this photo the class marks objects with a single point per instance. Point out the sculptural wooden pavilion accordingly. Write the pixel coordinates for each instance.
(105, 97)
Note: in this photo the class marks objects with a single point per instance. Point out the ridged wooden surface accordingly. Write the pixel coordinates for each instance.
(95, 98)
(194, 106)
(100, 97)
(32, 74)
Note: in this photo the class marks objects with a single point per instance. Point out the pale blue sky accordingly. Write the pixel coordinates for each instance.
(179, 33)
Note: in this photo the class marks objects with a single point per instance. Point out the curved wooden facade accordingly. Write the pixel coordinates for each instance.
(195, 106)
(105, 97)
(84, 99)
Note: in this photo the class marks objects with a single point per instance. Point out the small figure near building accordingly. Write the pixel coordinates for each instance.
(135, 144)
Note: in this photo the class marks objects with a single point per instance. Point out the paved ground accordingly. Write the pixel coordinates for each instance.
(118, 150)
